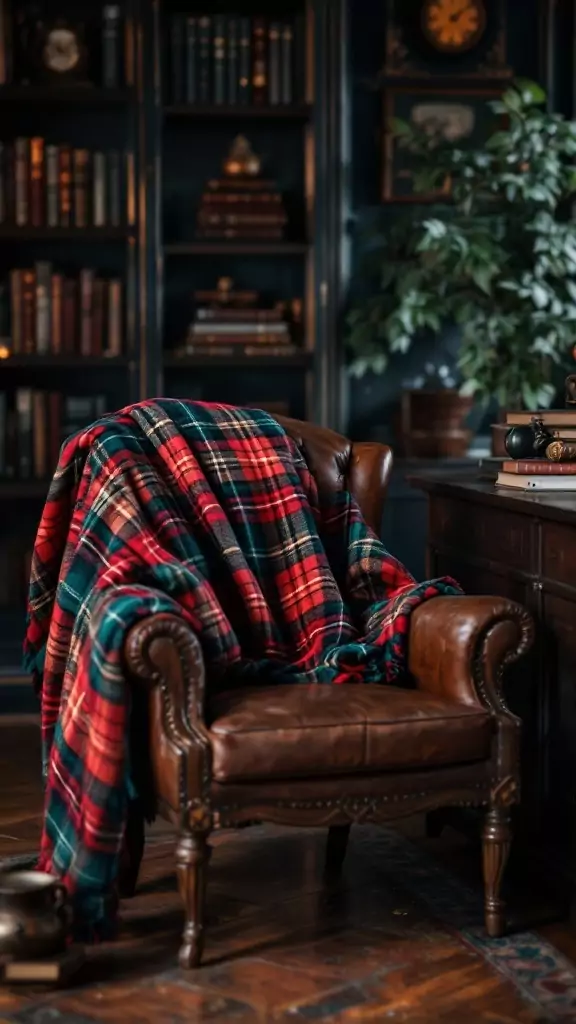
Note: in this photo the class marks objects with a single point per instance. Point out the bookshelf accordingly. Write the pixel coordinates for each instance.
(169, 149)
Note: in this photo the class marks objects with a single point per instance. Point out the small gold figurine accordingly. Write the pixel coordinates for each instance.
(241, 160)
(561, 451)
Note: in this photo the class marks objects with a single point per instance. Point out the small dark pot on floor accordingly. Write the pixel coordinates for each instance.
(34, 915)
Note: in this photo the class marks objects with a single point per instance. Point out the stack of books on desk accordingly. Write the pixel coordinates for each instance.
(540, 474)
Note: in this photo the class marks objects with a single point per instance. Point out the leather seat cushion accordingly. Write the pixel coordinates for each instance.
(297, 731)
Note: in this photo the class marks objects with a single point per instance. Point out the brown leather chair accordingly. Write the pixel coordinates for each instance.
(371, 753)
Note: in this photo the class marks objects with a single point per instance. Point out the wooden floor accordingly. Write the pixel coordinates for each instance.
(280, 947)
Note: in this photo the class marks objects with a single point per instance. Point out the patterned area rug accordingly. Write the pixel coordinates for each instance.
(386, 875)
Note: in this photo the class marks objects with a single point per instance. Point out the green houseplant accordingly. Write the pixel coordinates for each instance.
(498, 259)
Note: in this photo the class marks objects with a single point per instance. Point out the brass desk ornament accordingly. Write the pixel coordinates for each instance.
(561, 451)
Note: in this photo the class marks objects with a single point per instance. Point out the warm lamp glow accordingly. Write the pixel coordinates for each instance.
(4, 352)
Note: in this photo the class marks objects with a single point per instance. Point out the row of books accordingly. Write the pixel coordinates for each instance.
(248, 208)
(541, 474)
(15, 58)
(46, 313)
(33, 425)
(44, 185)
(235, 60)
(244, 329)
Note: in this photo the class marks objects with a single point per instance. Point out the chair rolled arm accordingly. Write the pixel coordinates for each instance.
(163, 648)
(459, 646)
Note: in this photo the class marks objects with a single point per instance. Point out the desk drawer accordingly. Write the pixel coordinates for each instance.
(482, 532)
(559, 553)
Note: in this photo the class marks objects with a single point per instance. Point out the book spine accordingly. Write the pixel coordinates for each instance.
(69, 316)
(52, 219)
(177, 57)
(259, 62)
(80, 164)
(99, 190)
(287, 64)
(536, 467)
(21, 177)
(16, 311)
(298, 80)
(24, 432)
(43, 287)
(5, 315)
(219, 46)
(243, 234)
(86, 300)
(244, 82)
(246, 338)
(114, 189)
(37, 182)
(98, 310)
(204, 33)
(111, 46)
(56, 314)
(274, 63)
(65, 180)
(114, 340)
(232, 61)
(28, 318)
(39, 435)
(54, 428)
(191, 70)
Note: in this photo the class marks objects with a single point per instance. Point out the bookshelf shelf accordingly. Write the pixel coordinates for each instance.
(33, 362)
(12, 233)
(294, 112)
(238, 248)
(301, 360)
(61, 96)
(23, 490)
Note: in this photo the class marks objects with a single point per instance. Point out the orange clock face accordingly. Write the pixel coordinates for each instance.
(453, 26)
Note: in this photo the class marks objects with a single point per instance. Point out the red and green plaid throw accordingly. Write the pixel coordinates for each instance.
(210, 513)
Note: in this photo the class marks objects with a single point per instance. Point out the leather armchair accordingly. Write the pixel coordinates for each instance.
(372, 753)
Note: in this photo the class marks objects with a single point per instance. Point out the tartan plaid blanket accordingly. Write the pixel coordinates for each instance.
(211, 513)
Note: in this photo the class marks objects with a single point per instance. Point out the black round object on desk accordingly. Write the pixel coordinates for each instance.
(519, 443)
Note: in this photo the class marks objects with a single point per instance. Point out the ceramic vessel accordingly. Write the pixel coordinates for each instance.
(34, 915)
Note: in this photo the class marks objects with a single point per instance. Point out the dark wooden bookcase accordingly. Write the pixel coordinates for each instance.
(175, 148)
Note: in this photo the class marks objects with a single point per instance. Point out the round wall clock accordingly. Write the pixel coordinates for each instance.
(453, 26)
(62, 51)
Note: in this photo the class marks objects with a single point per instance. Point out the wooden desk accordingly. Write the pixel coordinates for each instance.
(522, 547)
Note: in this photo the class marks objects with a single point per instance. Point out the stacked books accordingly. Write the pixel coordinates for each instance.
(228, 323)
(229, 59)
(50, 186)
(540, 474)
(47, 313)
(241, 208)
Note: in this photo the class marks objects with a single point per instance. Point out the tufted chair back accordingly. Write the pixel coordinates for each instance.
(338, 464)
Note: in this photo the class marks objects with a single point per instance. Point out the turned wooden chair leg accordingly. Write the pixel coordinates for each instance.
(132, 851)
(496, 841)
(192, 856)
(336, 846)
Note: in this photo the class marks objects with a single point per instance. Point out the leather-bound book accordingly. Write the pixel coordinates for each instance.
(114, 339)
(54, 429)
(69, 316)
(219, 49)
(177, 36)
(52, 212)
(23, 405)
(28, 318)
(80, 175)
(98, 314)
(191, 59)
(16, 311)
(244, 64)
(274, 63)
(43, 288)
(21, 178)
(114, 189)
(204, 40)
(232, 72)
(40, 434)
(99, 190)
(56, 286)
(86, 301)
(37, 185)
(259, 61)
(65, 180)
(111, 46)
(287, 64)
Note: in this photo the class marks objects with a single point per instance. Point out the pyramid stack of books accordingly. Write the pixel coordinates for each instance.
(542, 472)
(241, 205)
(231, 323)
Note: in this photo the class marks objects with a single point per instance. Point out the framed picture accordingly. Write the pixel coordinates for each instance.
(445, 40)
(463, 115)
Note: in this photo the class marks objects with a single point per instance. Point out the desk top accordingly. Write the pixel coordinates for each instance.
(469, 487)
